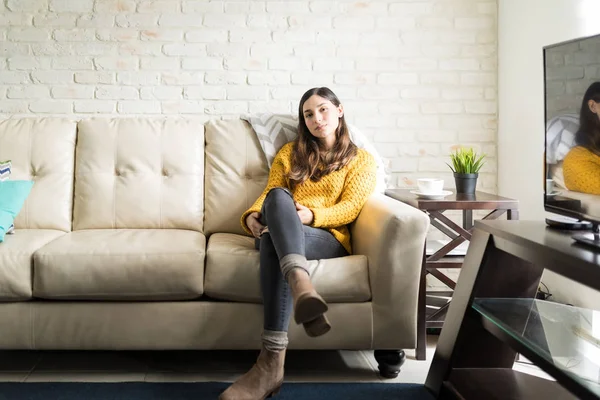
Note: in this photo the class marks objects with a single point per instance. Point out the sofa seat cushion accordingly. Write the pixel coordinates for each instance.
(121, 264)
(232, 273)
(16, 253)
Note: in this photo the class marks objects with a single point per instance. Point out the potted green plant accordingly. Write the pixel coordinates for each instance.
(466, 164)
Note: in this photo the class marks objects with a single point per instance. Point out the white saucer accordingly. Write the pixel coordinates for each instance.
(432, 196)
(556, 192)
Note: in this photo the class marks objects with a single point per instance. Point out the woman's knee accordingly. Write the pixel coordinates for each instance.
(279, 191)
(278, 194)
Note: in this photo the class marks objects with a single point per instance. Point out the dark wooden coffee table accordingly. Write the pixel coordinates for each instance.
(434, 315)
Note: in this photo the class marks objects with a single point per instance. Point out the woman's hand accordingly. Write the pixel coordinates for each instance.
(254, 225)
(306, 216)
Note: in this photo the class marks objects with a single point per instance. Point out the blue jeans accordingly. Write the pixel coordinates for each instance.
(287, 235)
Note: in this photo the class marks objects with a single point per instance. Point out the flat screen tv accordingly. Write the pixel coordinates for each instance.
(572, 134)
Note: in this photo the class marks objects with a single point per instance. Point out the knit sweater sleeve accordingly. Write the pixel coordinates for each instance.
(360, 183)
(276, 179)
(581, 169)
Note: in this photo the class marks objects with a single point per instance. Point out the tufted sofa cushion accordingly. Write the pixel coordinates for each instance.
(236, 174)
(139, 173)
(42, 150)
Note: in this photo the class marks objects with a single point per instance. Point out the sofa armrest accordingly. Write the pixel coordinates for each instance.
(392, 235)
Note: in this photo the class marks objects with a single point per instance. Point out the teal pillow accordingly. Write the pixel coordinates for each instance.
(12, 197)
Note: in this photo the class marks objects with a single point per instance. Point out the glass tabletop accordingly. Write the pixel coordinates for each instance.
(567, 336)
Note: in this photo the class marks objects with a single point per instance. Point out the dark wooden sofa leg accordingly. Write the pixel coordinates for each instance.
(390, 362)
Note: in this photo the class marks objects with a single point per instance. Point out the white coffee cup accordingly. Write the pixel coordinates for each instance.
(430, 185)
(549, 186)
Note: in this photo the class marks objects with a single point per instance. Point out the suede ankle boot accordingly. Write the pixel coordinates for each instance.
(262, 381)
(308, 304)
(317, 327)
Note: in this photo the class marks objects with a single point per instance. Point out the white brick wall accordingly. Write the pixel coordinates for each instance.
(418, 77)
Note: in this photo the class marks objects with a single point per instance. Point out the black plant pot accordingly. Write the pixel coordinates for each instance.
(465, 183)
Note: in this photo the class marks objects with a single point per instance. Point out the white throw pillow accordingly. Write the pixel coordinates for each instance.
(560, 137)
(275, 130)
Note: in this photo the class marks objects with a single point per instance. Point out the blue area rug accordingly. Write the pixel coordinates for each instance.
(206, 390)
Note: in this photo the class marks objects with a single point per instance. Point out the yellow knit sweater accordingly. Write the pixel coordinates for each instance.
(335, 200)
(581, 169)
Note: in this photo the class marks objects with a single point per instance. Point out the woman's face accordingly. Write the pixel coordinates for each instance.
(322, 118)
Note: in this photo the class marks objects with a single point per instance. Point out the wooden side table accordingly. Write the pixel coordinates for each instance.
(432, 317)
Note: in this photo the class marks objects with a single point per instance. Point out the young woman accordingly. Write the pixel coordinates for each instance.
(317, 186)
(581, 166)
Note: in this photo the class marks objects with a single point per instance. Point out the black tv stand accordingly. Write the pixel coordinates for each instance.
(590, 238)
(494, 315)
(568, 224)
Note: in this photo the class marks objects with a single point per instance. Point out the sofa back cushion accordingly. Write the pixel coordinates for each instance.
(139, 173)
(42, 150)
(236, 174)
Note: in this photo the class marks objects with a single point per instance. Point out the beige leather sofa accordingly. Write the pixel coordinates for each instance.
(130, 239)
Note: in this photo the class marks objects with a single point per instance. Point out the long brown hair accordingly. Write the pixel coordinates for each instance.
(588, 135)
(308, 161)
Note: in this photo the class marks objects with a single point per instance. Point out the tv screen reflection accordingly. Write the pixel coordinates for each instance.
(572, 100)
